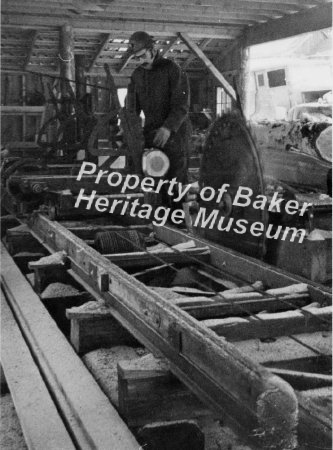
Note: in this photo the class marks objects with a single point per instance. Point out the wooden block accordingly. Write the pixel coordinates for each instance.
(175, 435)
(49, 269)
(149, 392)
(92, 326)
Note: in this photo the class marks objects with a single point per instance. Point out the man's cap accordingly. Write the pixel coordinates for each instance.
(140, 40)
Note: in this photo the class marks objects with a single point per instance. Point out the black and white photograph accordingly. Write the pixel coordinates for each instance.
(166, 225)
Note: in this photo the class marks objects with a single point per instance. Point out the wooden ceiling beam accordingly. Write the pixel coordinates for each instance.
(312, 20)
(192, 57)
(196, 10)
(34, 35)
(210, 66)
(157, 28)
(215, 17)
(228, 4)
(105, 40)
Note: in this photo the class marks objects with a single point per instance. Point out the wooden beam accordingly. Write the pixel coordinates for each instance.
(41, 423)
(91, 419)
(92, 25)
(104, 41)
(272, 325)
(314, 19)
(145, 259)
(66, 55)
(192, 57)
(219, 310)
(210, 66)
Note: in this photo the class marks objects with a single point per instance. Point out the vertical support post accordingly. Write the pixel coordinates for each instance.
(66, 55)
(80, 90)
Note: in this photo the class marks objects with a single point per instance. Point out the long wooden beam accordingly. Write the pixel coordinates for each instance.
(89, 416)
(272, 324)
(85, 25)
(304, 22)
(214, 369)
(187, 13)
(210, 66)
(40, 421)
(192, 57)
(239, 5)
(104, 41)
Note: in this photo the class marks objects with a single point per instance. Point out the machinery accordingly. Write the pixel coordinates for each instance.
(269, 174)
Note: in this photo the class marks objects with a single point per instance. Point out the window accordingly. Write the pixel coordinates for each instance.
(276, 78)
(223, 101)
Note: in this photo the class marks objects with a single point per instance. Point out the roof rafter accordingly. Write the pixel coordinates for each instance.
(105, 40)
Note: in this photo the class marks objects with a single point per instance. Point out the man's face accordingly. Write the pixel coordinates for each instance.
(145, 58)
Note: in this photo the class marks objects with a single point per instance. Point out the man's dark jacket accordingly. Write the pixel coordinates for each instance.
(162, 93)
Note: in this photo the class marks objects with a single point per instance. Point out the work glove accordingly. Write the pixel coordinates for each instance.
(161, 137)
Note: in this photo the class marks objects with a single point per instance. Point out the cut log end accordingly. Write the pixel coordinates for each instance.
(277, 412)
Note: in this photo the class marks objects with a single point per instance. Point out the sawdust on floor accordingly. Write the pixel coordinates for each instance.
(11, 436)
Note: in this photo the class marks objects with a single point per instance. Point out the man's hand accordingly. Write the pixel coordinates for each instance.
(161, 137)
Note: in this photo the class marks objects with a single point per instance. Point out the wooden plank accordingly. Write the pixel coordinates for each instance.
(91, 25)
(105, 39)
(20, 110)
(272, 324)
(192, 57)
(143, 259)
(93, 422)
(225, 4)
(88, 231)
(220, 309)
(210, 66)
(303, 22)
(41, 423)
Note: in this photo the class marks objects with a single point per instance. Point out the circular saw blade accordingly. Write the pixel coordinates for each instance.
(230, 157)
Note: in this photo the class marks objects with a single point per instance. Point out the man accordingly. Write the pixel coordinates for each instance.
(161, 90)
